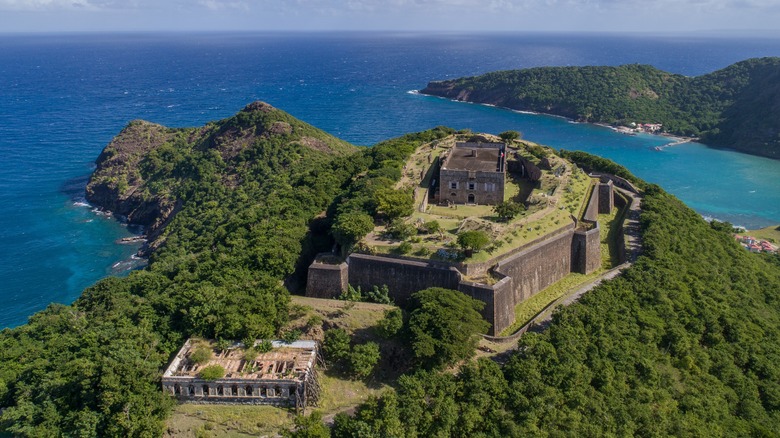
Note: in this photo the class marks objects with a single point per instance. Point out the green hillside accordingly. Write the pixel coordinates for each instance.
(685, 343)
(737, 107)
(234, 214)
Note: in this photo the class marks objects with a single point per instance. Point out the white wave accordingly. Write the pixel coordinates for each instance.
(413, 92)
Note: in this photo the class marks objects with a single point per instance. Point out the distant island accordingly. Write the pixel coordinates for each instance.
(736, 107)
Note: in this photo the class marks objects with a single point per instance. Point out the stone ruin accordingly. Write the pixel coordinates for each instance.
(284, 376)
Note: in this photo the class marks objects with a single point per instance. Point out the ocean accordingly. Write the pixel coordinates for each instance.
(63, 97)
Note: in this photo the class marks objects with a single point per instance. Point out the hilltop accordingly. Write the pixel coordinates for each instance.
(147, 170)
(736, 107)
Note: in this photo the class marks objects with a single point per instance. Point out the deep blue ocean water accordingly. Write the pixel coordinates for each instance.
(63, 97)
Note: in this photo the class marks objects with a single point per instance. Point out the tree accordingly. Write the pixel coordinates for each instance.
(471, 241)
(350, 227)
(308, 427)
(509, 136)
(507, 210)
(335, 346)
(363, 359)
(444, 326)
(395, 203)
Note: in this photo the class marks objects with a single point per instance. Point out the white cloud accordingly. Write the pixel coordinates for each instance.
(217, 5)
(32, 5)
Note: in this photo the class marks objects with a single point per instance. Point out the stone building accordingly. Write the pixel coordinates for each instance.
(473, 173)
(284, 376)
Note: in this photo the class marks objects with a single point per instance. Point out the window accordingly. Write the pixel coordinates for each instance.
(453, 185)
(472, 186)
(490, 187)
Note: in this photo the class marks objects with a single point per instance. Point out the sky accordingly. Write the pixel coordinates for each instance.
(653, 16)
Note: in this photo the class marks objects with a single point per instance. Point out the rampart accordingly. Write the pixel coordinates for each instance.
(606, 197)
(520, 274)
(403, 277)
(326, 276)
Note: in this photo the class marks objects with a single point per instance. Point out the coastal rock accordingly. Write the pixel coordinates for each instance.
(115, 184)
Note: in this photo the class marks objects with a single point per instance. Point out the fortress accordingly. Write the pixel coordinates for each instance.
(500, 282)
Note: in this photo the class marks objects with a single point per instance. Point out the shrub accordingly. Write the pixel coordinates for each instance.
(400, 230)
(212, 372)
(404, 248)
(363, 359)
(291, 336)
(391, 324)
(379, 295)
(335, 346)
(351, 294)
(265, 346)
(250, 354)
(431, 227)
(201, 355)
(314, 321)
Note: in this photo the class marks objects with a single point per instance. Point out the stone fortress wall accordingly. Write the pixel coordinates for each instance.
(521, 274)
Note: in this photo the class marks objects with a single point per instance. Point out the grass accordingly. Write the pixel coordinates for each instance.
(526, 310)
(340, 394)
(462, 211)
(771, 234)
(190, 420)
(610, 227)
(545, 213)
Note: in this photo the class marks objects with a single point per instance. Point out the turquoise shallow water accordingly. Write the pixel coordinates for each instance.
(63, 97)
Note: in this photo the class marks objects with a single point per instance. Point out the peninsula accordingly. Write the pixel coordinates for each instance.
(736, 107)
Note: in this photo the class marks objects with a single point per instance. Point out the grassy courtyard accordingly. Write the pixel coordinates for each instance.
(550, 203)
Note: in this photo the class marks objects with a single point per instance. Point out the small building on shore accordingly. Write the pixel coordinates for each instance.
(283, 376)
(473, 173)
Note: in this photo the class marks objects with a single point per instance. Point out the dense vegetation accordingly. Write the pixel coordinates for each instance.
(685, 343)
(248, 193)
(736, 107)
